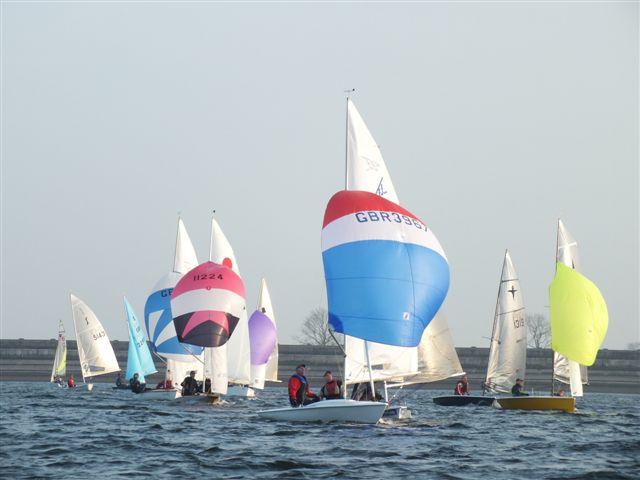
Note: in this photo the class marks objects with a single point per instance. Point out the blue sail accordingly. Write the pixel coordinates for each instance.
(139, 358)
(159, 322)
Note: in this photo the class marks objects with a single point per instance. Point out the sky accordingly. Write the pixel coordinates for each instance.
(494, 120)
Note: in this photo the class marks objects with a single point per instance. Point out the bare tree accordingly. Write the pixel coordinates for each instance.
(539, 330)
(315, 329)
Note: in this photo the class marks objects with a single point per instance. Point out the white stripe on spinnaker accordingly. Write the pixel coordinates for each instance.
(216, 299)
(348, 229)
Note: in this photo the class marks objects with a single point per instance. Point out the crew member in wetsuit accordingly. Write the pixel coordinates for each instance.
(135, 384)
(299, 392)
(462, 387)
(332, 388)
(190, 384)
(121, 381)
(517, 389)
(71, 383)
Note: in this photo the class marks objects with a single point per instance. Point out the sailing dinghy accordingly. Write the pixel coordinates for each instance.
(386, 277)
(59, 368)
(94, 348)
(238, 348)
(579, 321)
(508, 349)
(139, 358)
(180, 359)
(207, 305)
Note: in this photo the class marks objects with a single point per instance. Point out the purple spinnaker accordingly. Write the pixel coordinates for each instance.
(262, 338)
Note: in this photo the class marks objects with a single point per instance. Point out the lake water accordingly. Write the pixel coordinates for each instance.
(48, 432)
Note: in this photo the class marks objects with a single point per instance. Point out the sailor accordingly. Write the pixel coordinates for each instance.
(560, 393)
(57, 380)
(190, 384)
(517, 389)
(135, 384)
(120, 381)
(362, 392)
(462, 387)
(332, 388)
(71, 382)
(299, 392)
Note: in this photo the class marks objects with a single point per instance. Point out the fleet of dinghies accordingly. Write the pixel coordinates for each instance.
(387, 277)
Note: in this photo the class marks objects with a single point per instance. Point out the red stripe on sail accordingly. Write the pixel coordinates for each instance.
(346, 202)
(207, 276)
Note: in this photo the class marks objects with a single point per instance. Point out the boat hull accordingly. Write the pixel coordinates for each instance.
(462, 400)
(157, 394)
(397, 413)
(564, 404)
(240, 391)
(329, 411)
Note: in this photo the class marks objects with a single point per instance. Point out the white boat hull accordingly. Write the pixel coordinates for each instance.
(158, 394)
(240, 391)
(329, 411)
(397, 413)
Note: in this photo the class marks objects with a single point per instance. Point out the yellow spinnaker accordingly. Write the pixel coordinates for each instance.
(579, 317)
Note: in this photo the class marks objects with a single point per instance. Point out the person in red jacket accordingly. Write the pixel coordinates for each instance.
(462, 387)
(299, 392)
(71, 382)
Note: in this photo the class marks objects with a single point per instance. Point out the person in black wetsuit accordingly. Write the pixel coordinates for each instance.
(517, 389)
(135, 384)
(121, 382)
(190, 384)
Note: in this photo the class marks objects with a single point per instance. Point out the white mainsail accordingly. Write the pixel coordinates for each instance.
(565, 370)
(508, 351)
(268, 371)
(60, 361)
(366, 169)
(185, 257)
(94, 348)
(437, 356)
(237, 348)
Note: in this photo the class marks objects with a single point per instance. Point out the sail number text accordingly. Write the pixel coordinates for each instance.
(374, 216)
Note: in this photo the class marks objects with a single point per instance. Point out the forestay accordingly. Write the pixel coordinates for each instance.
(138, 357)
(94, 348)
(263, 336)
(508, 350)
(386, 272)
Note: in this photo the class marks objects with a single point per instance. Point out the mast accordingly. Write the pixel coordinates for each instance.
(495, 321)
(175, 250)
(78, 347)
(553, 357)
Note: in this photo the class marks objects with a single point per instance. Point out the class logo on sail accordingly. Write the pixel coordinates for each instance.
(385, 270)
(206, 305)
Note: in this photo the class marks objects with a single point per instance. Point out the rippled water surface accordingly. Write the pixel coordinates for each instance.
(59, 433)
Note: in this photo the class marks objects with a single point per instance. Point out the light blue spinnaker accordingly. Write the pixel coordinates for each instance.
(139, 358)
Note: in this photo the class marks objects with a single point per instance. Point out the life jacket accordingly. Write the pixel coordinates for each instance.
(301, 393)
(461, 388)
(71, 383)
(331, 389)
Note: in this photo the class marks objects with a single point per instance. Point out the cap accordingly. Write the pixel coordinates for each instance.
(301, 365)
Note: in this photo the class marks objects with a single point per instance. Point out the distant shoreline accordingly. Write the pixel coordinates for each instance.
(615, 371)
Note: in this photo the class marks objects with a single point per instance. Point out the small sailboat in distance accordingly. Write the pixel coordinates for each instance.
(508, 348)
(60, 360)
(94, 348)
(579, 321)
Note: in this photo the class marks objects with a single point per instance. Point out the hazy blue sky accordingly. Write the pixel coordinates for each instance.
(494, 119)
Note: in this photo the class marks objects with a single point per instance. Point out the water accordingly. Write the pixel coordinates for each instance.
(47, 432)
